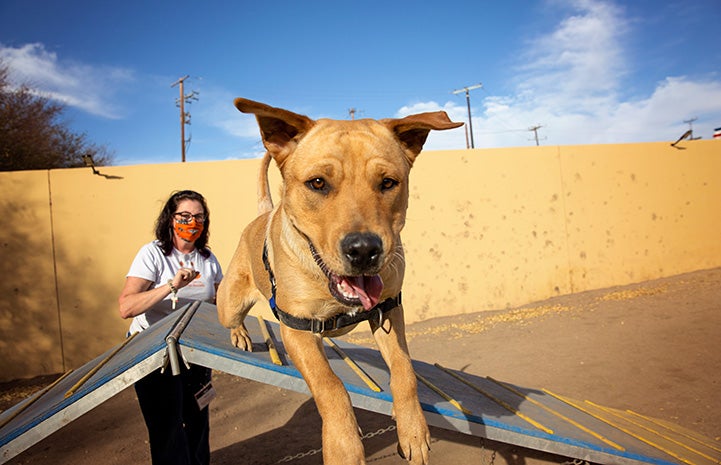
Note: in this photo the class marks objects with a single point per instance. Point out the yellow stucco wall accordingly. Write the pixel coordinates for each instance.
(30, 335)
(486, 229)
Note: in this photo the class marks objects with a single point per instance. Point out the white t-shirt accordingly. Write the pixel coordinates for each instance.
(150, 263)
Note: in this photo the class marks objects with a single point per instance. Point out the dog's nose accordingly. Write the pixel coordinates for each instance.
(363, 250)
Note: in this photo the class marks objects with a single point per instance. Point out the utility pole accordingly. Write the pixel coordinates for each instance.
(468, 90)
(184, 117)
(690, 127)
(535, 131)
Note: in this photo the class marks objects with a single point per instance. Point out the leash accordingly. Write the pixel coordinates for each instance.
(336, 322)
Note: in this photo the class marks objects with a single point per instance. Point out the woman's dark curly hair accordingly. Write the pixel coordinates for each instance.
(164, 223)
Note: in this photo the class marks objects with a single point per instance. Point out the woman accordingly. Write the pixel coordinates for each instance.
(173, 270)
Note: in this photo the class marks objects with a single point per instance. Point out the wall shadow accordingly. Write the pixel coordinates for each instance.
(28, 305)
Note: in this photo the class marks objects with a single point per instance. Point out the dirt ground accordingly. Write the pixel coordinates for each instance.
(653, 347)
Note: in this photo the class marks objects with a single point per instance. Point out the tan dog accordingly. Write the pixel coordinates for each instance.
(330, 254)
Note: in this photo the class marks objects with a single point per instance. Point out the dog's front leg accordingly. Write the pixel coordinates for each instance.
(413, 436)
(235, 297)
(341, 439)
(238, 292)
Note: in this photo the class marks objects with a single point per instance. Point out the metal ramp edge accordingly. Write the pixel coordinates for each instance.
(79, 391)
(453, 400)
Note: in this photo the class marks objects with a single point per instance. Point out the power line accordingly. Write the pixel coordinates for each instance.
(502, 131)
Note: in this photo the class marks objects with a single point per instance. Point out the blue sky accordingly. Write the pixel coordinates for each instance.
(586, 71)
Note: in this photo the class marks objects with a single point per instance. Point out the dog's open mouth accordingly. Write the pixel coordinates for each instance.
(353, 291)
(356, 290)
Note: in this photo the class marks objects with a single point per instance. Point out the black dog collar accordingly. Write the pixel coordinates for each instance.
(335, 322)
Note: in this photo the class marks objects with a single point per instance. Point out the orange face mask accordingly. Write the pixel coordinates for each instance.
(188, 232)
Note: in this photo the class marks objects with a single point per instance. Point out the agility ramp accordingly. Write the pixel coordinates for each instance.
(453, 400)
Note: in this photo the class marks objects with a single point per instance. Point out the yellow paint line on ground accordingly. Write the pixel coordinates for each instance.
(618, 426)
(560, 415)
(354, 366)
(97, 367)
(651, 430)
(34, 399)
(495, 399)
(274, 357)
(706, 442)
(438, 391)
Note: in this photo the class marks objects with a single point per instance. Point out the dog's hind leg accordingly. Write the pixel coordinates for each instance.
(413, 435)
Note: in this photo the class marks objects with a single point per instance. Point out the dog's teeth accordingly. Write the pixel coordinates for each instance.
(345, 292)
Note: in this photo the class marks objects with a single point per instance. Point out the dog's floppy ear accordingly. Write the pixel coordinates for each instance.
(280, 129)
(413, 130)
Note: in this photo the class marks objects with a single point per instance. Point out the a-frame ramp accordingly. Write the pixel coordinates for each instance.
(453, 400)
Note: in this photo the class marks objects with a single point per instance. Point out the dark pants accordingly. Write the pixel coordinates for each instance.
(177, 428)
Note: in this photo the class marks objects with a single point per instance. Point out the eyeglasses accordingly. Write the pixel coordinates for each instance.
(187, 217)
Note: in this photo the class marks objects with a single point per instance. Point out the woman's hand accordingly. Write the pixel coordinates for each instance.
(183, 277)
(139, 295)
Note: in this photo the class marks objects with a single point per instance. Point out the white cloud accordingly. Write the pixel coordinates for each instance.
(74, 84)
(570, 83)
(218, 109)
(582, 59)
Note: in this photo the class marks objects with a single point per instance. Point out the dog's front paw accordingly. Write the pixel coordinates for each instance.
(342, 448)
(414, 440)
(241, 339)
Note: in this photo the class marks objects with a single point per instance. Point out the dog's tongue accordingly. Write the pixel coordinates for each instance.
(368, 288)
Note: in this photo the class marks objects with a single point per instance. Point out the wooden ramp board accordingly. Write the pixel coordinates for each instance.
(451, 399)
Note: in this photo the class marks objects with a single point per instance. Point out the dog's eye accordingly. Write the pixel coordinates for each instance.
(317, 184)
(388, 183)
